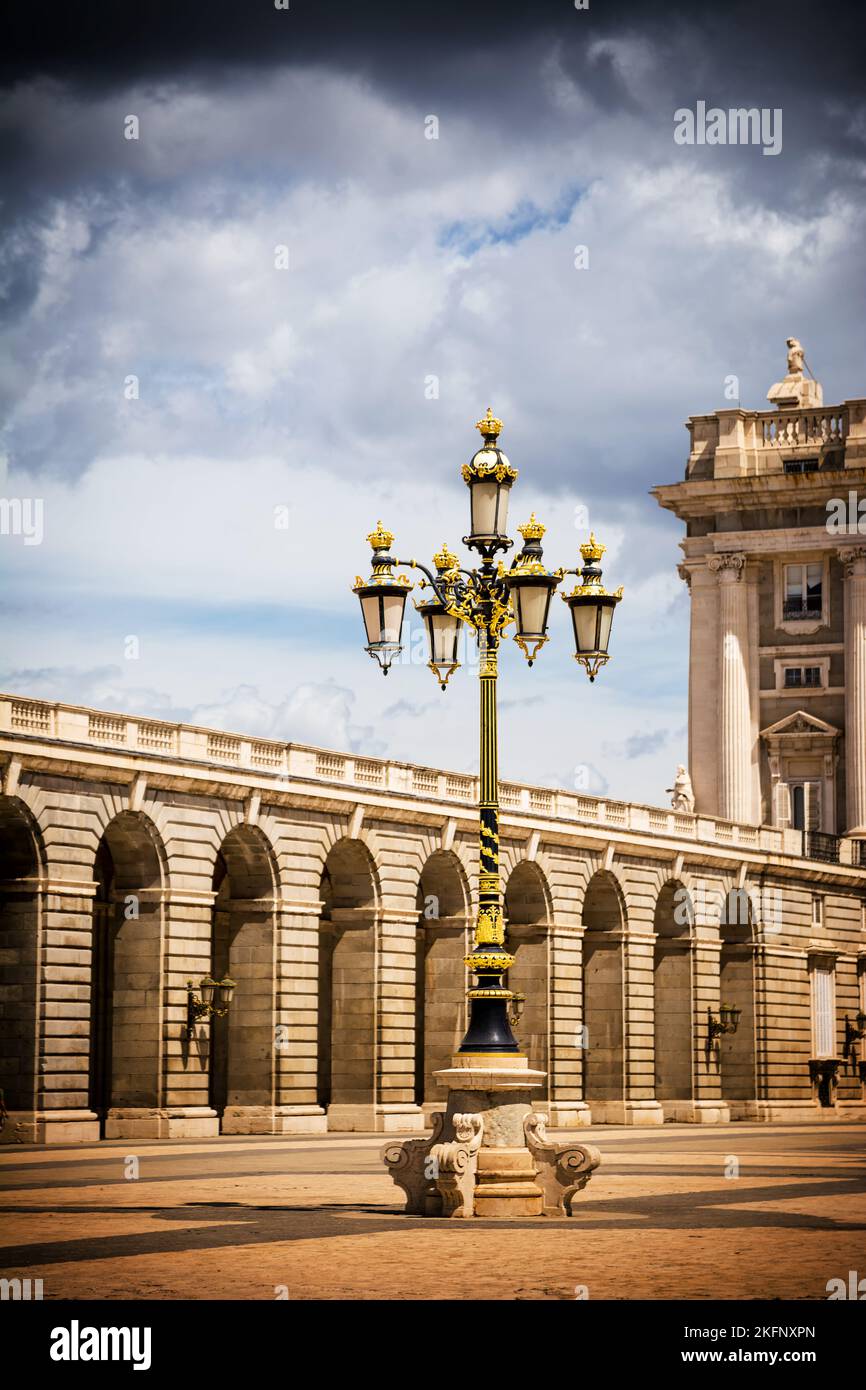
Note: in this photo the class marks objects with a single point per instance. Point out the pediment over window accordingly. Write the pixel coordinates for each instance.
(798, 724)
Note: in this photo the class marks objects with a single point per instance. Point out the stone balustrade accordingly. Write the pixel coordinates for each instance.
(254, 758)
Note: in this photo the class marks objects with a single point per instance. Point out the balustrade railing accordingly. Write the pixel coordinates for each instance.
(789, 429)
(237, 755)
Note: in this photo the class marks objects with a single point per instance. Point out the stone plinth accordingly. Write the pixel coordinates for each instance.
(488, 1155)
(497, 1088)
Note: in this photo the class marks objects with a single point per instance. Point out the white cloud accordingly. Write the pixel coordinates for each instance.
(304, 388)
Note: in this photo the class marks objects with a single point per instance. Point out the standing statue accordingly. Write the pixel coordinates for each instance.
(797, 390)
(795, 357)
(683, 798)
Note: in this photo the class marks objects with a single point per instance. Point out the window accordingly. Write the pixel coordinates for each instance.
(817, 910)
(823, 990)
(804, 591)
(801, 465)
(806, 805)
(798, 676)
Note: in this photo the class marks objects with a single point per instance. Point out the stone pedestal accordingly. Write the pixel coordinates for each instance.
(368, 1118)
(569, 1114)
(274, 1119)
(488, 1155)
(696, 1112)
(627, 1112)
(50, 1127)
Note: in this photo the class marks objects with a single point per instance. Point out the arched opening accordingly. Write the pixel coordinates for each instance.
(737, 988)
(243, 1040)
(603, 1051)
(21, 862)
(672, 998)
(527, 918)
(125, 976)
(440, 974)
(347, 987)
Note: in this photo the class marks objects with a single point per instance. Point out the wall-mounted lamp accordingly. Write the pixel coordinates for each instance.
(727, 1022)
(852, 1034)
(515, 1009)
(202, 1005)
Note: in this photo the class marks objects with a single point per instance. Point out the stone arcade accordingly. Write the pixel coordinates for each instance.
(140, 855)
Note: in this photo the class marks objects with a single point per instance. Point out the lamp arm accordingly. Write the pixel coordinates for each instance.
(452, 597)
(434, 583)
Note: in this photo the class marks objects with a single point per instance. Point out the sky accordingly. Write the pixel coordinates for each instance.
(231, 344)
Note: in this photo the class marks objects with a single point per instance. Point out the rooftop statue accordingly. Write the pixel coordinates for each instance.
(797, 388)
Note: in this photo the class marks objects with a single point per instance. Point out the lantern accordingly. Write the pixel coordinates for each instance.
(531, 588)
(591, 610)
(442, 625)
(206, 989)
(225, 990)
(489, 477)
(383, 600)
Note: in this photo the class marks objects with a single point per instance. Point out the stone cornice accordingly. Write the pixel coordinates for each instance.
(698, 497)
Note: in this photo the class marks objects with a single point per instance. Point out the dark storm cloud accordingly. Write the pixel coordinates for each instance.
(104, 41)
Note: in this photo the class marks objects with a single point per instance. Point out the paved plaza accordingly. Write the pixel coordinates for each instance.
(742, 1211)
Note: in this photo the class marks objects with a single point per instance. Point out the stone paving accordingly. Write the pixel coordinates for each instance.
(734, 1211)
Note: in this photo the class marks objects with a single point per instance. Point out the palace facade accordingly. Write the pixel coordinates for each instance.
(139, 857)
(701, 964)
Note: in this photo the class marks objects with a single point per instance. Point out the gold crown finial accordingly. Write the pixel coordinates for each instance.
(445, 559)
(489, 425)
(380, 539)
(532, 530)
(592, 549)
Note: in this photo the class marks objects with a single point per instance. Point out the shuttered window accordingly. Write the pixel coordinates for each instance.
(806, 805)
(823, 1009)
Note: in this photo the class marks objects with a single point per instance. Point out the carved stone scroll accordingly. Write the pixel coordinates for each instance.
(561, 1169)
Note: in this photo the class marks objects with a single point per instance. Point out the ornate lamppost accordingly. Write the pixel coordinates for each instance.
(487, 599)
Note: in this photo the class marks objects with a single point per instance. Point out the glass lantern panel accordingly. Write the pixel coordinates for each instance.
(584, 618)
(446, 631)
(605, 620)
(484, 500)
(502, 511)
(532, 604)
(392, 605)
(372, 619)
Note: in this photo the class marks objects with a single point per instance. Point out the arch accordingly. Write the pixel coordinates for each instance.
(527, 915)
(736, 1052)
(242, 1041)
(22, 858)
(604, 921)
(125, 1060)
(442, 903)
(350, 896)
(673, 1032)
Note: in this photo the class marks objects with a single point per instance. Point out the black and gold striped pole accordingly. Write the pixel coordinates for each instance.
(489, 1027)
(488, 599)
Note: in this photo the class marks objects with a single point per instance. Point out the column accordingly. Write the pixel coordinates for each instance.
(395, 1109)
(188, 955)
(735, 734)
(703, 722)
(62, 1112)
(854, 567)
(566, 1033)
(640, 1106)
(296, 1109)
